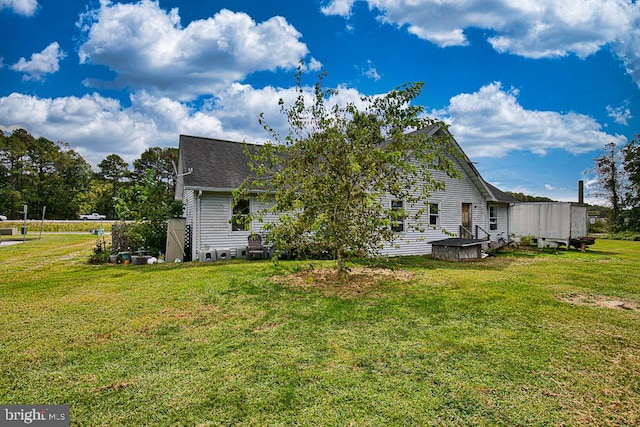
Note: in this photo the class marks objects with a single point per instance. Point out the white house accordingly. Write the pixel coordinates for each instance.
(210, 169)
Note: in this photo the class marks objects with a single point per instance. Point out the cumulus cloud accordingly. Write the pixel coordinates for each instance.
(533, 29)
(21, 7)
(338, 7)
(94, 125)
(97, 126)
(621, 115)
(491, 123)
(40, 64)
(148, 48)
(627, 47)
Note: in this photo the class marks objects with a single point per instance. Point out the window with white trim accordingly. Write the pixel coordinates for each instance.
(240, 214)
(434, 215)
(493, 217)
(397, 225)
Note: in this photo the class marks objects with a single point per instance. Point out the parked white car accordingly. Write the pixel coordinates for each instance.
(3, 218)
(93, 216)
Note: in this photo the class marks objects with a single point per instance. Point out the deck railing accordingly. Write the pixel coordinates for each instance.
(465, 233)
(487, 235)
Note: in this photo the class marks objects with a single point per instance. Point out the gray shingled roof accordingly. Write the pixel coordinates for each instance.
(222, 165)
(500, 195)
(216, 163)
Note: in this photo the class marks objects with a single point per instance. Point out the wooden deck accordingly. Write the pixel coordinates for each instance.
(457, 249)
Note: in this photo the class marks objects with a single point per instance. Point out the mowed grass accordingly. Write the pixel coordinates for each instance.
(482, 343)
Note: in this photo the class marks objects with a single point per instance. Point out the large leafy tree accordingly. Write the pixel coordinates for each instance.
(159, 161)
(40, 173)
(631, 164)
(13, 161)
(328, 179)
(610, 185)
(113, 170)
(147, 202)
(148, 199)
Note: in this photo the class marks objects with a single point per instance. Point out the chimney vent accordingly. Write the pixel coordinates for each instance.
(580, 191)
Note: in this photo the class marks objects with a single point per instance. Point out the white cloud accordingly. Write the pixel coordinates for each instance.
(620, 115)
(529, 28)
(40, 64)
(149, 49)
(21, 7)
(97, 126)
(627, 47)
(491, 123)
(338, 7)
(371, 72)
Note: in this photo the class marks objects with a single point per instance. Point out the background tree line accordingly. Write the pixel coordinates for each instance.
(618, 176)
(39, 172)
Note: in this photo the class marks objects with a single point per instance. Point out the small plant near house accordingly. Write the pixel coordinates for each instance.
(526, 241)
(100, 253)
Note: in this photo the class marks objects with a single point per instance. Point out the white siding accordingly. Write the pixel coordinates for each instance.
(503, 223)
(215, 230)
(209, 215)
(189, 207)
(457, 192)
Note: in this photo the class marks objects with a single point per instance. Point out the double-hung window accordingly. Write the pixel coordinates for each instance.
(397, 210)
(240, 215)
(434, 215)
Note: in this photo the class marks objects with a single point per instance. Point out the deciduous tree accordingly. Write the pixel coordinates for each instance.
(328, 177)
(631, 164)
(610, 175)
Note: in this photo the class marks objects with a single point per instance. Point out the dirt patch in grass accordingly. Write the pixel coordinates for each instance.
(598, 301)
(360, 280)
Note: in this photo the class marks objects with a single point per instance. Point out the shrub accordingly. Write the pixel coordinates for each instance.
(100, 254)
(148, 235)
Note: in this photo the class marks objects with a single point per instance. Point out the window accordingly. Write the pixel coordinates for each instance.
(434, 215)
(493, 217)
(397, 209)
(239, 218)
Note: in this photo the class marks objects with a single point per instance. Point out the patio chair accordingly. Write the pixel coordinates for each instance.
(255, 246)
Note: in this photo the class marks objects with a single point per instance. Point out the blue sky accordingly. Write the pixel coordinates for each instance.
(532, 89)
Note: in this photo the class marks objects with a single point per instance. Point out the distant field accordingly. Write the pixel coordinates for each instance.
(522, 339)
(51, 226)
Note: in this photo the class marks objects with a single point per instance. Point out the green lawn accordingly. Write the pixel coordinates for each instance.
(483, 343)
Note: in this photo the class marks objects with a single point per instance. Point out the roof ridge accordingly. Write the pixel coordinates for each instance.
(182, 135)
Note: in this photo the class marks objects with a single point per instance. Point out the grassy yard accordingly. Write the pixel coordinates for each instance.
(497, 342)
